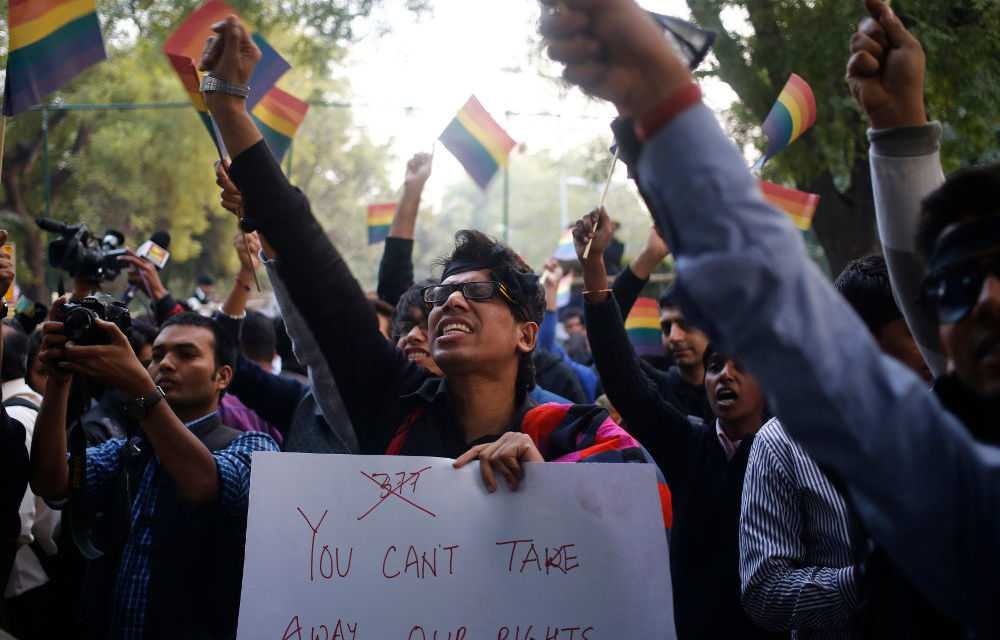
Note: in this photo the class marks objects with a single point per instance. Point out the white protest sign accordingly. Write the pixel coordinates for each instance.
(409, 548)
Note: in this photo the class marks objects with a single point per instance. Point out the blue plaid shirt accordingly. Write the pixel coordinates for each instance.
(128, 596)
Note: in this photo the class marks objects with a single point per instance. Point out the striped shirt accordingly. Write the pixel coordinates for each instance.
(795, 555)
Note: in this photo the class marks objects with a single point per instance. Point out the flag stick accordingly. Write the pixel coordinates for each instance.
(3, 137)
(604, 197)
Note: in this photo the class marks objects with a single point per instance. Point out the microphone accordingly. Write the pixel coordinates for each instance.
(155, 249)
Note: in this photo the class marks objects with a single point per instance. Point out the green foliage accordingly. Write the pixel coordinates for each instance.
(811, 38)
(146, 169)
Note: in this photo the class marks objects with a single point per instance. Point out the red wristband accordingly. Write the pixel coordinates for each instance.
(242, 284)
(650, 122)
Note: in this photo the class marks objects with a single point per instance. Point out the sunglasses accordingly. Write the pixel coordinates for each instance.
(436, 294)
(952, 291)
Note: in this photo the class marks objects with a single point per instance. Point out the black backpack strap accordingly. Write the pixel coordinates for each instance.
(20, 402)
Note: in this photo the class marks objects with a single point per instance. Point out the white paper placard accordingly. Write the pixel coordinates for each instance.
(409, 548)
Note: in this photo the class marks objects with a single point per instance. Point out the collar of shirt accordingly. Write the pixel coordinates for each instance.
(19, 387)
(197, 421)
(729, 447)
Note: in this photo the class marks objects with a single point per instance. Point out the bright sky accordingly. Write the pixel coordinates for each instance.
(461, 47)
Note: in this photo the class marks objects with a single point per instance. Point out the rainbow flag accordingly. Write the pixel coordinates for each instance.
(799, 205)
(379, 220)
(792, 114)
(190, 78)
(565, 250)
(189, 38)
(278, 116)
(643, 327)
(50, 42)
(478, 142)
(563, 290)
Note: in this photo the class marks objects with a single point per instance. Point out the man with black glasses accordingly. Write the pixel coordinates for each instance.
(482, 322)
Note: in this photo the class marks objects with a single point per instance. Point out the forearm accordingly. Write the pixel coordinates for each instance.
(745, 279)
(395, 270)
(272, 397)
(190, 465)
(662, 429)
(783, 598)
(626, 288)
(595, 279)
(404, 221)
(48, 471)
(547, 332)
(906, 167)
(235, 303)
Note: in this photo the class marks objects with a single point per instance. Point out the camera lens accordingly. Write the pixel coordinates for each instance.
(78, 323)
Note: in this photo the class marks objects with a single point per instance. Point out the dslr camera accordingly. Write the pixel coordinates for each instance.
(78, 319)
(81, 254)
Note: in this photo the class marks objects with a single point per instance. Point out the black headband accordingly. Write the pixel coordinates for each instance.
(966, 241)
(521, 285)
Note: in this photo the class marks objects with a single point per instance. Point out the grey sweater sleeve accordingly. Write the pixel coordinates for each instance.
(906, 167)
(308, 352)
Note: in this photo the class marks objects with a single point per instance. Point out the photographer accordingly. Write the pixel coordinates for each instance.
(190, 503)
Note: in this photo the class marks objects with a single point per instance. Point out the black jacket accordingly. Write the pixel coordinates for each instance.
(705, 488)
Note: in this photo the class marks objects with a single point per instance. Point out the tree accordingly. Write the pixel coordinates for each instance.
(810, 38)
(137, 171)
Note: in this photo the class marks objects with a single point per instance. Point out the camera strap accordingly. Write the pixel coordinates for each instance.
(79, 516)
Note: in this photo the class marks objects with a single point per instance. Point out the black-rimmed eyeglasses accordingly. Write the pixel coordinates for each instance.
(437, 294)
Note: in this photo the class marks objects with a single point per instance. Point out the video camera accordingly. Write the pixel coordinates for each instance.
(78, 319)
(80, 254)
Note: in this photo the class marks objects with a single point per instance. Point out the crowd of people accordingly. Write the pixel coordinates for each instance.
(824, 452)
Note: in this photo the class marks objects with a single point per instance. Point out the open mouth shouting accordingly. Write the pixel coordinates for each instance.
(726, 397)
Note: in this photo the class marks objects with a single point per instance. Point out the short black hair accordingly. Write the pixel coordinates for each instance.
(475, 246)
(34, 346)
(968, 193)
(865, 284)
(224, 345)
(141, 334)
(572, 312)
(15, 352)
(259, 342)
(382, 308)
(412, 298)
(666, 299)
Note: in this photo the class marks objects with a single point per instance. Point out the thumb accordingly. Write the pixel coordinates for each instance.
(110, 328)
(894, 29)
(3, 236)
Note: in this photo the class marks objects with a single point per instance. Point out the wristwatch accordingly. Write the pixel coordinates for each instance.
(3, 308)
(211, 84)
(140, 407)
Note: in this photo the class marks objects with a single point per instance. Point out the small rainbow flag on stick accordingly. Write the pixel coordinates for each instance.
(563, 290)
(379, 221)
(50, 42)
(565, 251)
(792, 114)
(278, 116)
(477, 141)
(799, 205)
(643, 327)
(189, 41)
